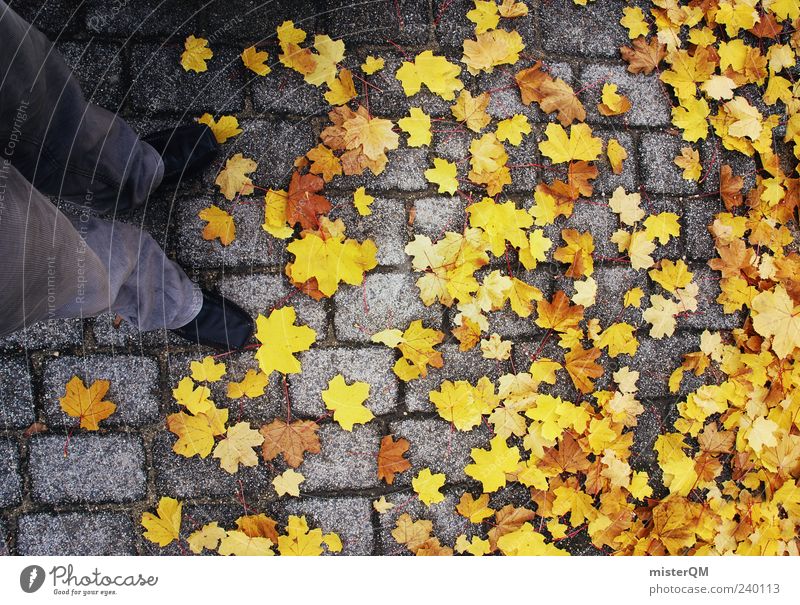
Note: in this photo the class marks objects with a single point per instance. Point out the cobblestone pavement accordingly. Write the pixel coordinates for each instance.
(126, 55)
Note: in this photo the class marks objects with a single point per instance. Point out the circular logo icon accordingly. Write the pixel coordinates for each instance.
(31, 578)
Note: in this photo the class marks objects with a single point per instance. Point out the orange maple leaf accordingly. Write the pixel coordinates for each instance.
(390, 458)
(291, 440)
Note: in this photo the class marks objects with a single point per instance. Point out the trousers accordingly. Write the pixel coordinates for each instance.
(55, 143)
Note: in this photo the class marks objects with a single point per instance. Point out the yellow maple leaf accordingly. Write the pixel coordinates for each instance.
(256, 60)
(196, 400)
(374, 135)
(671, 275)
(484, 15)
(323, 162)
(275, 222)
(207, 537)
(611, 102)
(342, 88)
(579, 145)
(689, 161)
(237, 542)
(330, 53)
(330, 261)
(223, 129)
(633, 20)
(501, 222)
(627, 206)
(490, 49)
(87, 404)
(661, 314)
(418, 127)
(662, 227)
(618, 338)
(616, 155)
(195, 54)
(220, 225)
(427, 485)
(288, 483)
(437, 73)
(416, 344)
(233, 180)
(372, 65)
(775, 315)
(362, 201)
(456, 402)
(237, 447)
(474, 510)
(490, 466)
(207, 370)
(513, 128)
(252, 385)
(443, 174)
(527, 542)
(280, 339)
(472, 110)
(165, 526)
(691, 116)
(347, 402)
(196, 433)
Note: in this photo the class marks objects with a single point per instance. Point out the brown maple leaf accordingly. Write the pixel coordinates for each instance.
(304, 203)
(714, 441)
(767, 27)
(291, 440)
(579, 175)
(734, 259)
(730, 187)
(530, 81)
(433, 548)
(558, 96)
(390, 458)
(643, 58)
(560, 314)
(568, 457)
(508, 519)
(410, 533)
(258, 526)
(580, 366)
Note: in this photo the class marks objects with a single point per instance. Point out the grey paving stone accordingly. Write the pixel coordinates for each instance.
(253, 247)
(438, 445)
(261, 293)
(659, 172)
(133, 388)
(697, 217)
(16, 393)
(524, 162)
(612, 284)
(46, 334)
(128, 338)
(657, 358)
(56, 18)
(160, 84)
(181, 477)
(404, 172)
(284, 91)
(253, 21)
(98, 468)
(387, 300)
(593, 216)
(714, 155)
(170, 18)
(658, 418)
(76, 534)
(349, 518)
(436, 215)
(710, 314)
(374, 21)
(453, 27)
(347, 460)
(257, 410)
(386, 226)
(584, 31)
(650, 102)
(98, 68)
(273, 145)
(606, 181)
(447, 523)
(10, 480)
(372, 365)
(458, 365)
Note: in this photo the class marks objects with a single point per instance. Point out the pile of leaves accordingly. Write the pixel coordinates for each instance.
(728, 469)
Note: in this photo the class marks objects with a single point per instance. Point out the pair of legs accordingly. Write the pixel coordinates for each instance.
(52, 142)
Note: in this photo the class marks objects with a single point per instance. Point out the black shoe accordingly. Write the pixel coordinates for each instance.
(186, 150)
(221, 324)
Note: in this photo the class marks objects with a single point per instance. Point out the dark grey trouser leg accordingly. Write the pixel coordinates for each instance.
(63, 145)
(54, 266)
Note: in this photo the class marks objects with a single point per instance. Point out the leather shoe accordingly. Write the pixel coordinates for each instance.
(186, 150)
(221, 324)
